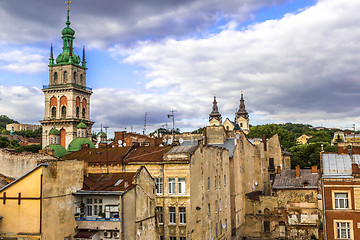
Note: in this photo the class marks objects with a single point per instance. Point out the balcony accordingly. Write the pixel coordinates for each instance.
(66, 86)
(98, 223)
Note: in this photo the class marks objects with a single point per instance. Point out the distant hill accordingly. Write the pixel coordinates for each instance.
(4, 120)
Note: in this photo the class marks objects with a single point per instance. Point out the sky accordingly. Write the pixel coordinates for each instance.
(295, 60)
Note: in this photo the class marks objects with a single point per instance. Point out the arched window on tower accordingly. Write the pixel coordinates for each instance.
(241, 125)
(81, 79)
(65, 76)
(55, 77)
(53, 112)
(77, 112)
(83, 112)
(74, 77)
(63, 111)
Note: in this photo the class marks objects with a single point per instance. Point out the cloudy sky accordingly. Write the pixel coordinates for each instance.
(295, 60)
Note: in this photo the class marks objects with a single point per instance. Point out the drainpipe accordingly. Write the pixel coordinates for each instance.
(323, 200)
(163, 212)
(122, 218)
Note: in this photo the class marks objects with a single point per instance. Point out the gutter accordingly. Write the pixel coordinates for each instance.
(323, 200)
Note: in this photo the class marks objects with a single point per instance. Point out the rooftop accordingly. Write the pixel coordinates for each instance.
(109, 182)
(338, 165)
(287, 179)
(146, 154)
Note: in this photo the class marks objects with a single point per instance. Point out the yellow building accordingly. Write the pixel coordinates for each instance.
(39, 205)
(303, 139)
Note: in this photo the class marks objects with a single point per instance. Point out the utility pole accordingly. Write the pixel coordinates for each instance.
(173, 119)
(145, 123)
(107, 156)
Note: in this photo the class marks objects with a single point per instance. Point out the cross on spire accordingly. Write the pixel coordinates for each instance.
(68, 4)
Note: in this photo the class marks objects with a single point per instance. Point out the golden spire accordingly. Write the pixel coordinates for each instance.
(68, 3)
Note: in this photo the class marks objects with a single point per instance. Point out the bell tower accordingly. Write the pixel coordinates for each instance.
(242, 116)
(67, 99)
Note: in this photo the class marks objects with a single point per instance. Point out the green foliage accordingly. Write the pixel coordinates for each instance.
(200, 130)
(34, 148)
(307, 155)
(4, 142)
(165, 131)
(30, 133)
(14, 144)
(4, 120)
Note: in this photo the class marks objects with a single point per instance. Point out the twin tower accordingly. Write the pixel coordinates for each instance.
(67, 99)
(241, 118)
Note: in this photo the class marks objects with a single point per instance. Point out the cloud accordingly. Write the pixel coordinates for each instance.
(303, 65)
(28, 60)
(106, 23)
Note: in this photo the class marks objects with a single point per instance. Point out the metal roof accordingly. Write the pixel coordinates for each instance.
(229, 144)
(337, 164)
(287, 179)
(183, 149)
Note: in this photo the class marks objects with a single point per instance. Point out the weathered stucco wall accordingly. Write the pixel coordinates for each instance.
(15, 164)
(60, 180)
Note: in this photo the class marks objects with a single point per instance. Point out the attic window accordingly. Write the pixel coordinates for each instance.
(118, 182)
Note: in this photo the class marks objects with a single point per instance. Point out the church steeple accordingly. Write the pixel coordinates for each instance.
(242, 111)
(215, 111)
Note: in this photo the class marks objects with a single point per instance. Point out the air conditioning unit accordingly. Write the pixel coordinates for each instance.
(116, 235)
(107, 234)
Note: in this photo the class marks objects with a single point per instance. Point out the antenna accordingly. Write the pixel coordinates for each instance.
(173, 119)
(145, 123)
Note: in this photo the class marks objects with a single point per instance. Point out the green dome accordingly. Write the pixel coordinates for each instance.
(81, 125)
(101, 133)
(76, 144)
(68, 30)
(54, 131)
(59, 150)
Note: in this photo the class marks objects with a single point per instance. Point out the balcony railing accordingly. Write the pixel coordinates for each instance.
(66, 85)
(98, 219)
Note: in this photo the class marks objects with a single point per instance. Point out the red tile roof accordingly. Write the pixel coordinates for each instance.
(109, 182)
(146, 154)
(98, 155)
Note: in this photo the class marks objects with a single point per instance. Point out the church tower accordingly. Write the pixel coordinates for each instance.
(67, 99)
(215, 116)
(242, 116)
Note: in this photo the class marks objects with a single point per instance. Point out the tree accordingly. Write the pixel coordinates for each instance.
(4, 142)
(4, 120)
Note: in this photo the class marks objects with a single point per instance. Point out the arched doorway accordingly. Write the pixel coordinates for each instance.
(62, 138)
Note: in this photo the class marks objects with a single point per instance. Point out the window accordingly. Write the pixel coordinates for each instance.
(343, 230)
(63, 111)
(172, 215)
(220, 225)
(224, 180)
(89, 207)
(341, 200)
(208, 183)
(271, 164)
(160, 215)
(225, 202)
(215, 182)
(55, 77)
(81, 78)
(159, 185)
(241, 124)
(171, 185)
(209, 209)
(53, 112)
(74, 76)
(182, 238)
(267, 226)
(219, 182)
(65, 76)
(216, 230)
(220, 205)
(181, 185)
(83, 112)
(216, 206)
(182, 215)
(225, 223)
(77, 111)
(172, 238)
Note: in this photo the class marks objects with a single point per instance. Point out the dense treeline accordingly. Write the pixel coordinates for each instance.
(303, 155)
(14, 144)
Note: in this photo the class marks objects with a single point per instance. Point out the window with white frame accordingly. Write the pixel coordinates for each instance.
(343, 230)
(172, 215)
(159, 182)
(219, 204)
(89, 207)
(182, 215)
(341, 200)
(171, 185)
(181, 185)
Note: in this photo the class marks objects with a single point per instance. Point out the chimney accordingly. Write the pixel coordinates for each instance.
(297, 171)
(278, 170)
(314, 169)
(264, 141)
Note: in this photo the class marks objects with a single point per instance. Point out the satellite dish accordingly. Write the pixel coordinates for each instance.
(119, 142)
(124, 144)
(181, 140)
(170, 141)
(256, 183)
(164, 140)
